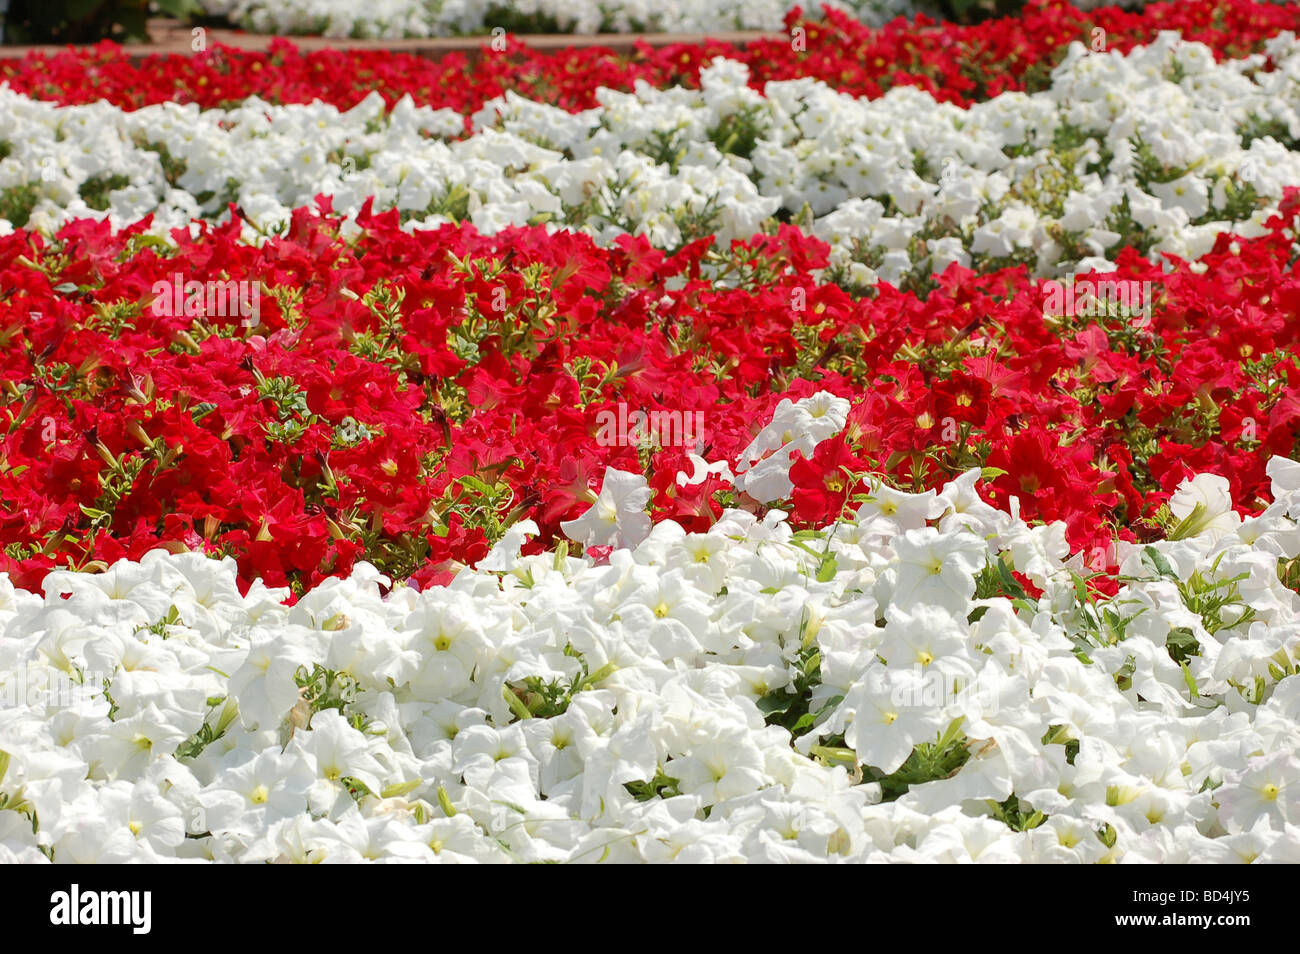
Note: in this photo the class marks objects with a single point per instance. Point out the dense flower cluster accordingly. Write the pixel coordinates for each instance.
(955, 64)
(406, 398)
(880, 690)
(885, 452)
(1162, 149)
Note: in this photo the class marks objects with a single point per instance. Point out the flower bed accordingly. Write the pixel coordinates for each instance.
(773, 467)
(405, 397)
(882, 690)
(956, 64)
(1054, 180)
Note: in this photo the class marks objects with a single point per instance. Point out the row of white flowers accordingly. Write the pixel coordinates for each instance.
(554, 708)
(1162, 147)
(391, 19)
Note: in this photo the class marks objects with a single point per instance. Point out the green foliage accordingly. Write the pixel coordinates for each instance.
(1098, 623)
(537, 699)
(1060, 735)
(17, 202)
(995, 579)
(1218, 603)
(661, 786)
(789, 706)
(95, 190)
(928, 762)
(87, 21)
(738, 133)
(291, 408)
(971, 11)
(171, 618)
(211, 730)
(322, 688)
(1014, 815)
(512, 20)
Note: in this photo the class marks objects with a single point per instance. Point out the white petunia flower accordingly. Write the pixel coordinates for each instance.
(618, 516)
(1203, 505)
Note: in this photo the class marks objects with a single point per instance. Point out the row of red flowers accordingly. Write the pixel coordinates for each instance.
(955, 63)
(403, 398)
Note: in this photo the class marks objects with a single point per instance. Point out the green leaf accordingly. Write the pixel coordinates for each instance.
(1158, 562)
(779, 701)
(806, 548)
(1010, 584)
(1181, 644)
(474, 483)
(826, 572)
